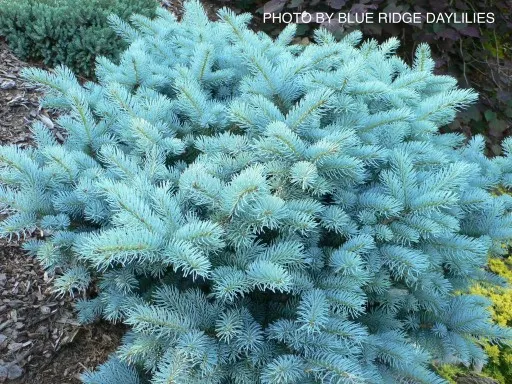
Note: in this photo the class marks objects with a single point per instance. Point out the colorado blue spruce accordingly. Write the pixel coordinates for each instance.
(263, 212)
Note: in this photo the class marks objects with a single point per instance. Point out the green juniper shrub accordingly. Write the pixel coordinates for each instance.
(67, 32)
(263, 212)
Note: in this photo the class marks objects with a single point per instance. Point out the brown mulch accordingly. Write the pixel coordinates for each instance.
(210, 6)
(40, 340)
(18, 102)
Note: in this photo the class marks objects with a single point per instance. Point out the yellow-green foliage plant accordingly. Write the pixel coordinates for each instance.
(453, 373)
(500, 358)
(450, 372)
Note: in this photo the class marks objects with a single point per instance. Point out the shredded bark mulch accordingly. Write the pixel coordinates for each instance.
(40, 339)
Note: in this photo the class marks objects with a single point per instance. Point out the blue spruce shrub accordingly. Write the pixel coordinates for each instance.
(263, 212)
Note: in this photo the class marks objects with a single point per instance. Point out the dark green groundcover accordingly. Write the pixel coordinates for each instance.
(66, 32)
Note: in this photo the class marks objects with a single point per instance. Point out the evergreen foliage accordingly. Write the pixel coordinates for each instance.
(260, 212)
(67, 32)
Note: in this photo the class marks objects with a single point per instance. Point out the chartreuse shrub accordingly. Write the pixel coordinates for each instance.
(500, 358)
(68, 32)
(260, 212)
(499, 365)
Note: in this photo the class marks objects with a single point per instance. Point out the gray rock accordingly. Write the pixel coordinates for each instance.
(8, 84)
(10, 371)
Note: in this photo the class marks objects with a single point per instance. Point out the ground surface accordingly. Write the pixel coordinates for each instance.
(40, 340)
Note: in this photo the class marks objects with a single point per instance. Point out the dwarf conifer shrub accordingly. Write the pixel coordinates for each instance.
(260, 212)
(67, 32)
